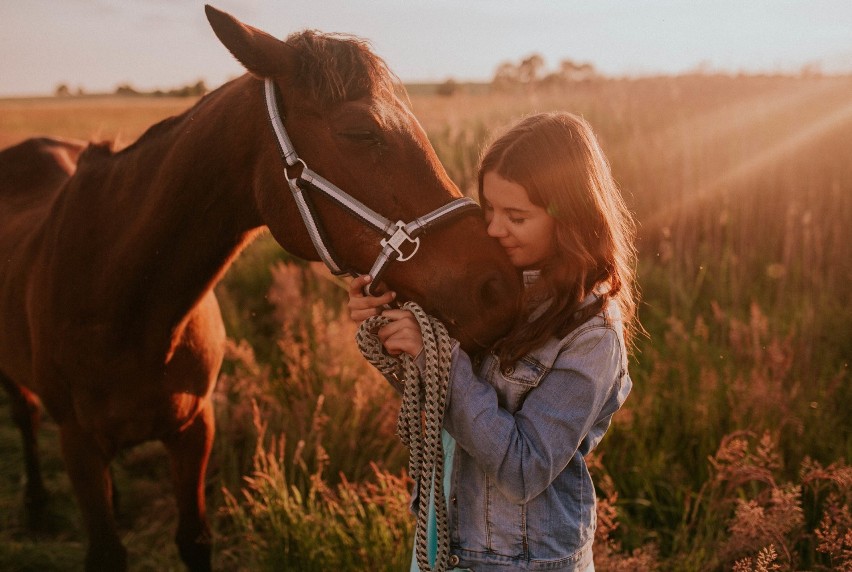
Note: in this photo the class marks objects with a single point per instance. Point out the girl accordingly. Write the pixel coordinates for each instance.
(525, 414)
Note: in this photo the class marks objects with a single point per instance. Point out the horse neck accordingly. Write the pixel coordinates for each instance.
(164, 218)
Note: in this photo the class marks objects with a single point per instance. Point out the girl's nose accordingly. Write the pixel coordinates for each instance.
(495, 228)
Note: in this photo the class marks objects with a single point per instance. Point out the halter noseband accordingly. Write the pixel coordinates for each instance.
(396, 234)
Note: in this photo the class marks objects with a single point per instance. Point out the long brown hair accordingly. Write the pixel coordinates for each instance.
(558, 160)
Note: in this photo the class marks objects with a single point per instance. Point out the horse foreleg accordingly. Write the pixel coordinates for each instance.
(88, 470)
(26, 413)
(189, 452)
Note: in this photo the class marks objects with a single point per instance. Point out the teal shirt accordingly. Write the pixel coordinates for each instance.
(432, 527)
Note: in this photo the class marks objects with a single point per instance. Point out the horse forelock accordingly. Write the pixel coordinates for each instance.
(334, 68)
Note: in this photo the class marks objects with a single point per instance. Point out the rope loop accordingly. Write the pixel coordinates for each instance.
(421, 417)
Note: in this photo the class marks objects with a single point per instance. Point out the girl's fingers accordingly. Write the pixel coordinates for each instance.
(402, 334)
(356, 286)
(361, 306)
(400, 320)
(398, 314)
(394, 328)
(361, 315)
(357, 298)
(405, 341)
(375, 303)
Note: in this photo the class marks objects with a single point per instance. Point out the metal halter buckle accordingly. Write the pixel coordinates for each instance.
(288, 167)
(399, 237)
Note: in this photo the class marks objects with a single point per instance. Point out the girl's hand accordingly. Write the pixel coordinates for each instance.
(361, 306)
(402, 334)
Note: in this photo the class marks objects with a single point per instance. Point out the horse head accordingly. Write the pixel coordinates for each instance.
(347, 119)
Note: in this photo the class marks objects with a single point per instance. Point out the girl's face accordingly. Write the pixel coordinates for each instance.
(525, 230)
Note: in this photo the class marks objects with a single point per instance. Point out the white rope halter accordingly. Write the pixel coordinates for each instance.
(426, 394)
(396, 234)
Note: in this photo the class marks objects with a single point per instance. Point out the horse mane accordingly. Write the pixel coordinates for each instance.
(161, 127)
(94, 151)
(334, 68)
(166, 125)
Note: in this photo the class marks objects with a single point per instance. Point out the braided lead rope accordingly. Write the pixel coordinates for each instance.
(421, 434)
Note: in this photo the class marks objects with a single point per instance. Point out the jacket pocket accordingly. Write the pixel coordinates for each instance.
(527, 371)
(513, 382)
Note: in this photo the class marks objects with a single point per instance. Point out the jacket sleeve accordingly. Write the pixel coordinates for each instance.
(526, 451)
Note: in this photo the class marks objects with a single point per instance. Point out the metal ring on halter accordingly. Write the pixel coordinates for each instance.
(287, 168)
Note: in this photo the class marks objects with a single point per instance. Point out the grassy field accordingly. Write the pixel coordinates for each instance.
(732, 450)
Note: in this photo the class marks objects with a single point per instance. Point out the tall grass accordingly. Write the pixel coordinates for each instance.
(288, 517)
(324, 488)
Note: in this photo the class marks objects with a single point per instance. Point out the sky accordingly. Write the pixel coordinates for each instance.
(97, 45)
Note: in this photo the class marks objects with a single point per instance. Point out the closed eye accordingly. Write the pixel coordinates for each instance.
(362, 136)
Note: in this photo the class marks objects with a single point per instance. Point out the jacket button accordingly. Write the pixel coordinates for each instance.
(454, 499)
(508, 370)
(454, 560)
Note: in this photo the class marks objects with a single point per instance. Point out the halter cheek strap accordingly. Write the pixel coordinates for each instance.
(400, 240)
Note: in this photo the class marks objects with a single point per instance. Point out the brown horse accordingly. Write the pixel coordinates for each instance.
(108, 260)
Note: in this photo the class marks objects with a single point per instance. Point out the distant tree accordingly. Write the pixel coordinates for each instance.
(200, 88)
(197, 89)
(505, 76)
(62, 90)
(126, 89)
(447, 88)
(572, 71)
(529, 69)
(530, 72)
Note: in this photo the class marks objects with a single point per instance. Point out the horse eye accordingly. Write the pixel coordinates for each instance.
(362, 136)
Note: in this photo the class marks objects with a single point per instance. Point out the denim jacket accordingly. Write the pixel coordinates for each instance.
(521, 497)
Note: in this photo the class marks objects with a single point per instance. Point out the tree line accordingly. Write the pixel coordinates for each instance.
(530, 72)
(196, 89)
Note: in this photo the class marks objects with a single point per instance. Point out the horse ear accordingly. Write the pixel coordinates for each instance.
(261, 54)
